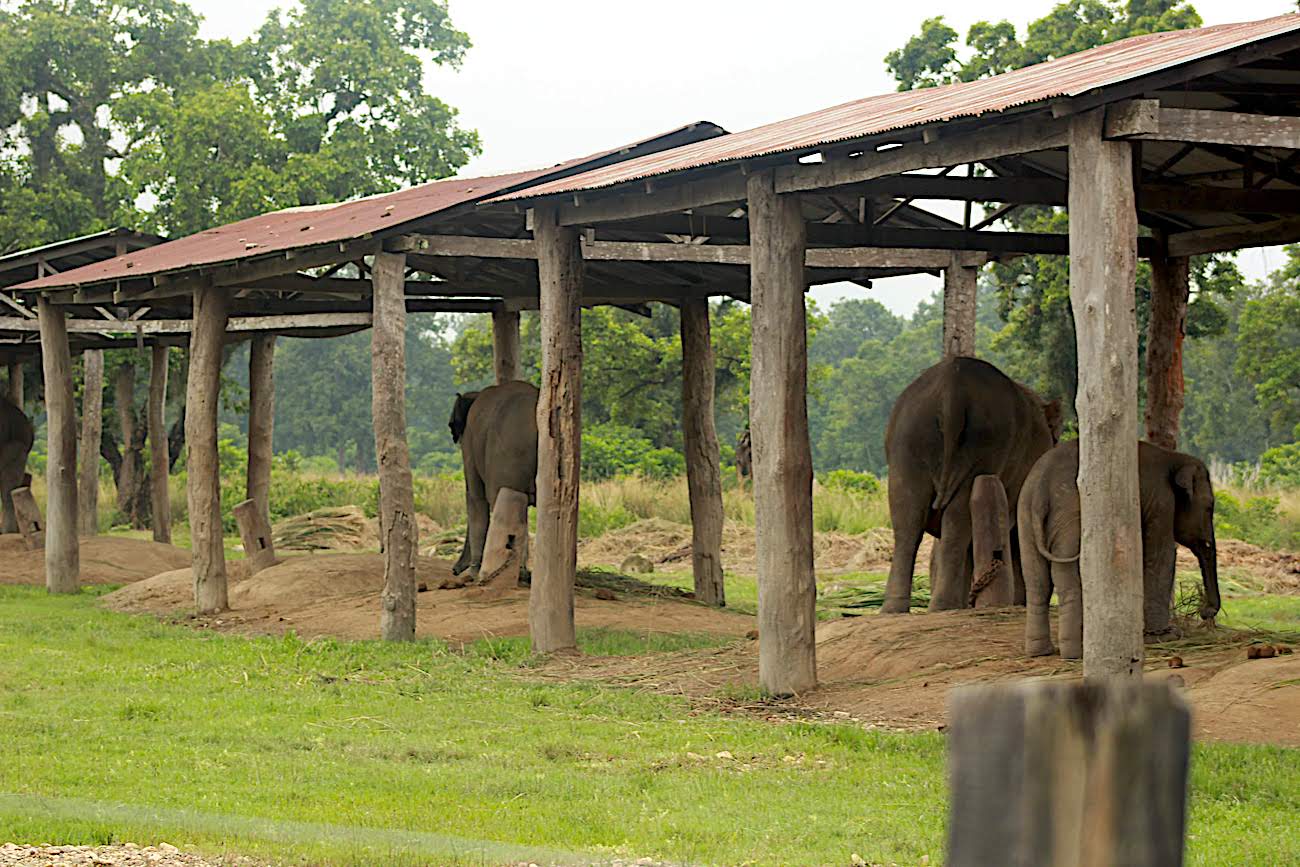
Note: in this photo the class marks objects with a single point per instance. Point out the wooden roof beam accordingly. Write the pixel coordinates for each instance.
(1148, 120)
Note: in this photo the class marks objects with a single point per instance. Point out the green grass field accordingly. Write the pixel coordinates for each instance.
(122, 728)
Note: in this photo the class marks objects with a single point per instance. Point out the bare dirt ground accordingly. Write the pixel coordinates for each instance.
(338, 595)
(127, 855)
(895, 672)
(104, 560)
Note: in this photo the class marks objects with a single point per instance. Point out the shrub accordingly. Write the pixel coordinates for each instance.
(1254, 519)
(851, 480)
(1280, 466)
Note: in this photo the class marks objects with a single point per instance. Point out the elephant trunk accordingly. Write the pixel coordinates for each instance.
(1207, 556)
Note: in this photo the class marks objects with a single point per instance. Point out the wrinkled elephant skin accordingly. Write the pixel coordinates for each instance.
(1177, 506)
(16, 436)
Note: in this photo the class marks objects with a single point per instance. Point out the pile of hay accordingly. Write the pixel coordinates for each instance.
(335, 528)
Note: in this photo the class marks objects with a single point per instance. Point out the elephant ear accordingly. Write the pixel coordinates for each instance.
(1185, 478)
(1055, 418)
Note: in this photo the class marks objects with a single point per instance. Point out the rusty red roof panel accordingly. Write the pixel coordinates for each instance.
(295, 228)
(1072, 75)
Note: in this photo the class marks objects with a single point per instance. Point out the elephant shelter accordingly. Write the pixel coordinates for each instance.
(1183, 143)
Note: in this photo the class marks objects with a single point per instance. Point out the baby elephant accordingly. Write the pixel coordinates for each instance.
(1177, 503)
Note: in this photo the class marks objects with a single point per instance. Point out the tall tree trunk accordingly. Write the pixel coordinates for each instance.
(1165, 332)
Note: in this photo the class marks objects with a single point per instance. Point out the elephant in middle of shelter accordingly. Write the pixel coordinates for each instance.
(960, 419)
(497, 432)
(1177, 505)
(16, 438)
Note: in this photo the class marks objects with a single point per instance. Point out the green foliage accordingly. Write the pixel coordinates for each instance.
(610, 450)
(1254, 519)
(1280, 466)
(851, 480)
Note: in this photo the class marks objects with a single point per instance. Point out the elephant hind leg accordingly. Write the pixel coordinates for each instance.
(909, 510)
(1069, 600)
(953, 563)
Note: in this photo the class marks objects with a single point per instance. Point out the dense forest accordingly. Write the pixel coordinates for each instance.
(116, 113)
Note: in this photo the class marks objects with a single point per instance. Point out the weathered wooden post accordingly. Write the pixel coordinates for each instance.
(1103, 261)
(992, 585)
(62, 550)
(16, 383)
(92, 423)
(703, 463)
(399, 534)
(255, 534)
(31, 525)
(1067, 774)
(203, 393)
(505, 551)
(261, 420)
(559, 435)
(1170, 288)
(960, 283)
(778, 412)
(506, 360)
(159, 448)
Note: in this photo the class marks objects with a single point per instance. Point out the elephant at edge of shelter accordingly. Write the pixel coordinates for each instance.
(960, 419)
(497, 432)
(16, 437)
(1177, 506)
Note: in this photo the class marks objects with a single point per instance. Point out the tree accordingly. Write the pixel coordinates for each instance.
(1269, 346)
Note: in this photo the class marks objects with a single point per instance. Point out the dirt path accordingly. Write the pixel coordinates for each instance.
(104, 560)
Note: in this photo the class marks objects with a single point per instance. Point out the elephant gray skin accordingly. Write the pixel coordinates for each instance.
(1177, 503)
(497, 432)
(960, 419)
(16, 436)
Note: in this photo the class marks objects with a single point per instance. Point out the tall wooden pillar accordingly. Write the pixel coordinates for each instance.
(1170, 288)
(202, 400)
(62, 552)
(1103, 261)
(778, 412)
(703, 465)
(959, 291)
(92, 427)
(505, 345)
(159, 449)
(559, 434)
(261, 420)
(399, 533)
(16, 383)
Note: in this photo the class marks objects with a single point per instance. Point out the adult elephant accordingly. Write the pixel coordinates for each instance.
(497, 432)
(16, 436)
(1177, 506)
(960, 419)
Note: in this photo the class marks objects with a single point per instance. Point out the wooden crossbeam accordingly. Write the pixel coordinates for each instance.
(1222, 239)
(1148, 120)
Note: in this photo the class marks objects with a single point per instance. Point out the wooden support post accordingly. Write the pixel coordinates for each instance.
(505, 551)
(261, 420)
(703, 463)
(62, 550)
(31, 526)
(1170, 288)
(399, 534)
(1055, 774)
(993, 585)
(505, 345)
(159, 448)
(778, 412)
(959, 292)
(255, 534)
(92, 424)
(202, 400)
(1103, 261)
(559, 433)
(16, 383)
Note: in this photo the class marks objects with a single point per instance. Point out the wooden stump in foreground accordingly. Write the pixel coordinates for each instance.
(255, 533)
(505, 553)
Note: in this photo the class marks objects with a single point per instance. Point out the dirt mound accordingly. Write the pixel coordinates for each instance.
(104, 560)
(896, 672)
(1278, 571)
(338, 595)
(338, 528)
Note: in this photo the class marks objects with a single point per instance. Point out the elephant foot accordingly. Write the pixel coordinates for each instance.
(1040, 647)
(896, 606)
(1071, 651)
(1169, 633)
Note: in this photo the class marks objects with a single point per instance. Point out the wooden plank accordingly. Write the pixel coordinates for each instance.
(960, 284)
(990, 142)
(1147, 120)
(202, 462)
(92, 422)
(1194, 199)
(399, 534)
(1227, 238)
(159, 449)
(1050, 774)
(506, 360)
(1103, 261)
(261, 421)
(559, 429)
(62, 549)
(632, 200)
(703, 462)
(787, 590)
(1166, 328)
(1008, 190)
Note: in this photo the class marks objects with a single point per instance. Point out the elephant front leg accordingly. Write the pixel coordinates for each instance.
(1159, 557)
(10, 518)
(476, 531)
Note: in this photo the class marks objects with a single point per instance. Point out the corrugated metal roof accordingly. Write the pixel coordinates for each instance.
(1073, 75)
(295, 228)
(22, 265)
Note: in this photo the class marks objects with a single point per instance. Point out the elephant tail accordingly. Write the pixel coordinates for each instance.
(952, 424)
(1037, 530)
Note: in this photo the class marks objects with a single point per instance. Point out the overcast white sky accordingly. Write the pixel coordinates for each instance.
(547, 81)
